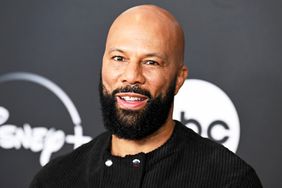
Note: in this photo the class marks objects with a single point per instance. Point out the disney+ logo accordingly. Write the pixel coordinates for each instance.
(39, 139)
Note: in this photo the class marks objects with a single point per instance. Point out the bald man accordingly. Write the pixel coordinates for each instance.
(144, 147)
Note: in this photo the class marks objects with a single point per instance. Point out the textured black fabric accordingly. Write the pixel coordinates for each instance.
(185, 160)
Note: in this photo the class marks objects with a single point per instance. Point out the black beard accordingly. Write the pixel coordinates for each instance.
(135, 124)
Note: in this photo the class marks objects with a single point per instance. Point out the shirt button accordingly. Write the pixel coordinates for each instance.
(136, 162)
(109, 163)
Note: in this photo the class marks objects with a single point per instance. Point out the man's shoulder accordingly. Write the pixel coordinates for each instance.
(209, 152)
(75, 163)
(193, 142)
(204, 147)
(82, 153)
(211, 159)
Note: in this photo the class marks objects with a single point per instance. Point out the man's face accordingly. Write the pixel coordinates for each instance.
(139, 67)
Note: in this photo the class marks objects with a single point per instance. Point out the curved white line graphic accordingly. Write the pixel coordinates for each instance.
(51, 86)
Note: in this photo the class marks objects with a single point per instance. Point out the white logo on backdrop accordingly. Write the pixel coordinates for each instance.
(206, 109)
(39, 139)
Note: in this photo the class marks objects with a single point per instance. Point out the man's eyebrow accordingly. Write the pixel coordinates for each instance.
(116, 49)
(158, 55)
(161, 56)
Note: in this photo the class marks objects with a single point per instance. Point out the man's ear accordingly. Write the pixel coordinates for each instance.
(181, 77)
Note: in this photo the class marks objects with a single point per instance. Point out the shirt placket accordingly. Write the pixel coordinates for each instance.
(123, 171)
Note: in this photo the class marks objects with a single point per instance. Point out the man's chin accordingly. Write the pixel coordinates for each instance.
(128, 118)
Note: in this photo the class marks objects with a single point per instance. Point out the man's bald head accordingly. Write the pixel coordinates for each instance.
(153, 19)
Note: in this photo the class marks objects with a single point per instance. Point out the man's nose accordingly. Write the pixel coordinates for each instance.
(133, 73)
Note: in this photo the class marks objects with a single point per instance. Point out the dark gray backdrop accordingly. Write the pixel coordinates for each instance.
(234, 44)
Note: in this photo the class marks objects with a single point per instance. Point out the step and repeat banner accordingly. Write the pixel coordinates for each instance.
(50, 61)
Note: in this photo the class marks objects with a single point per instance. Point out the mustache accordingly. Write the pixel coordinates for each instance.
(132, 89)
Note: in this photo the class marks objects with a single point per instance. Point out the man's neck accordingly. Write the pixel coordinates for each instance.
(122, 147)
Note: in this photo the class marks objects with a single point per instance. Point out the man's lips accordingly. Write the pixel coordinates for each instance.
(131, 101)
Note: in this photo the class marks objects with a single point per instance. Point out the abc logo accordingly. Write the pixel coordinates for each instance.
(207, 110)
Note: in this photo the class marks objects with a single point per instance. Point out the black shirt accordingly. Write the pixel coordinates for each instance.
(185, 160)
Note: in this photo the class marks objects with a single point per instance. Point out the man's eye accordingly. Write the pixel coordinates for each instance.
(118, 58)
(150, 62)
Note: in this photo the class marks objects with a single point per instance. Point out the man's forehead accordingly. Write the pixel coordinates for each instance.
(135, 38)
